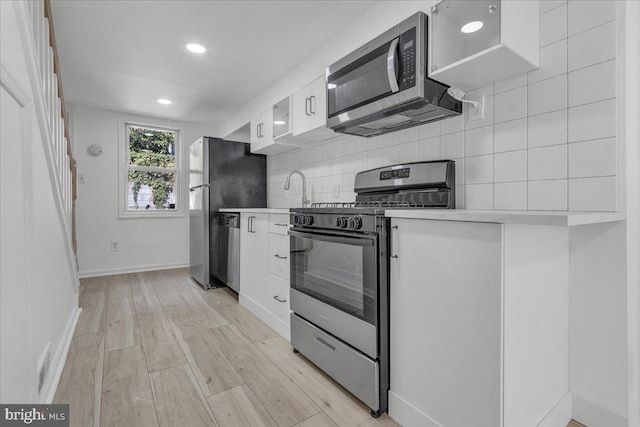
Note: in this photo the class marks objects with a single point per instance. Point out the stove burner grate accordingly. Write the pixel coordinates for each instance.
(372, 204)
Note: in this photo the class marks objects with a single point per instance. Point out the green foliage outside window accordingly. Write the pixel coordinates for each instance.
(154, 148)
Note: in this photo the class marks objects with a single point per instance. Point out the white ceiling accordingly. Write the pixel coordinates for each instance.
(123, 55)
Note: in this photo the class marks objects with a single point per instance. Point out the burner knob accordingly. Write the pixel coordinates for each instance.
(344, 222)
(352, 223)
(357, 223)
(303, 220)
(295, 219)
(310, 220)
(338, 222)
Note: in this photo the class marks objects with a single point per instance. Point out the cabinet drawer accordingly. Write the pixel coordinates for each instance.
(278, 297)
(279, 255)
(278, 223)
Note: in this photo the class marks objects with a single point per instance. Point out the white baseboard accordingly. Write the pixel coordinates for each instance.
(57, 365)
(133, 269)
(407, 415)
(593, 414)
(261, 313)
(560, 414)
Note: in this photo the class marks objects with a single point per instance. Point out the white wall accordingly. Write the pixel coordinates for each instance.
(38, 282)
(145, 243)
(547, 142)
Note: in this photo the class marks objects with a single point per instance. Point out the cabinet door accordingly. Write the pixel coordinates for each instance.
(279, 255)
(445, 322)
(318, 103)
(301, 116)
(254, 245)
(256, 124)
(278, 297)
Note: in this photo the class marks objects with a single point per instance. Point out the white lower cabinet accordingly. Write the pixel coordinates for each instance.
(264, 269)
(478, 323)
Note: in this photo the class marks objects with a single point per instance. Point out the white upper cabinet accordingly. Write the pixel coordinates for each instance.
(310, 112)
(475, 43)
(271, 130)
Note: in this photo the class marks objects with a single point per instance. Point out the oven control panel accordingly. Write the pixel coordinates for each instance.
(347, 222)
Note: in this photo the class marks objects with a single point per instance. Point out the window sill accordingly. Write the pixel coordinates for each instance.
(149, 215)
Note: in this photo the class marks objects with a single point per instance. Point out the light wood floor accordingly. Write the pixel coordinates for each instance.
(155, 349)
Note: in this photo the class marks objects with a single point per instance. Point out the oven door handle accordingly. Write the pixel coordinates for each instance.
(364, 241)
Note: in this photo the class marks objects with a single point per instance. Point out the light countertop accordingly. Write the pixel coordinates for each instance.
(556, 218)
(257, 210)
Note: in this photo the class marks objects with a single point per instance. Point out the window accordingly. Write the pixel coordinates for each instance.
(151, 171)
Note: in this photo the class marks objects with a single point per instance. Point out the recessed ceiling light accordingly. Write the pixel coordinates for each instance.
(196, 48)
(331, 86)
(471, 27)
(279, 122)
(164, 101)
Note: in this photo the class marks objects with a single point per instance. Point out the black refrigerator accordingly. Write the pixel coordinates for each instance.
(222, 174)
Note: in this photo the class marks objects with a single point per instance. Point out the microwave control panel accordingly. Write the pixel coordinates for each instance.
(407, 45)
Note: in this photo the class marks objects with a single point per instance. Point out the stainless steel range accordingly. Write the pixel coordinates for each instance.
(340, 276)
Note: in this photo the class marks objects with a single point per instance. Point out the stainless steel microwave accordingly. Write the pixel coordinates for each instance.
(383, 86)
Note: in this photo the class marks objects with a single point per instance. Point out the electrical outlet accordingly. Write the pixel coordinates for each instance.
(81, 179)
(476, 113)
(115, 246)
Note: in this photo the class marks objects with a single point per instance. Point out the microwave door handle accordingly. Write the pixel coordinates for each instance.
(391, 66)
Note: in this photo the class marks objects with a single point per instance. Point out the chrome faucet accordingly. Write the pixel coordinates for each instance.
(287, 184)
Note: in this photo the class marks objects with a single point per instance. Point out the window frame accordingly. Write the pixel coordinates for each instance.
(123, 171)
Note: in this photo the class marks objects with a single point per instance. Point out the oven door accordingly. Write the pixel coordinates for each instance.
(334, 284)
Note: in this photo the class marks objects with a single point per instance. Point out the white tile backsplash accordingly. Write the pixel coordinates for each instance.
(478, 141)
(592, 194)
(548, 195)
(478, 170)
(408, 152)
(510, 166)
(592, 46)
(510, 136)
(546, 142)
(553, 62)
(478, 196)
(591, 84)
(547, 5)
(510, 105)
(511, 83)
(547, 95)
(429, 149)
(592, 121)
(592, 158)
(547, 162)
(553, 26)
(454, 124)
(586, 14)
(547, 129)
(510, 196)
(452, 146)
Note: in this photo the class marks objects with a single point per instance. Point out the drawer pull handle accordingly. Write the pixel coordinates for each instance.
(325, 344)
(280, 257)
(278, 299)
(281, 225)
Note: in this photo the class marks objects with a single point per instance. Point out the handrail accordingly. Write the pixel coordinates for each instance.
(63, 112)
